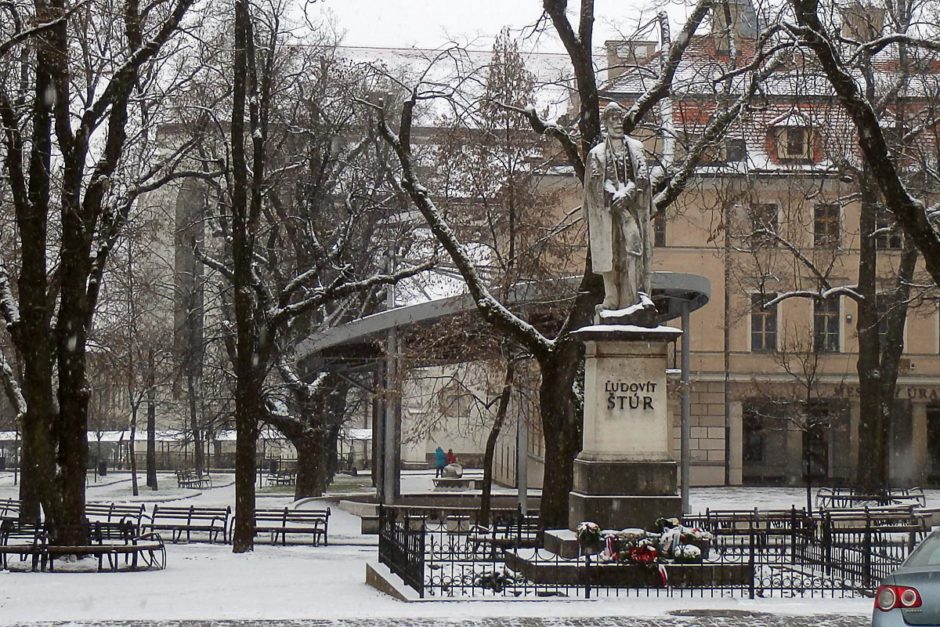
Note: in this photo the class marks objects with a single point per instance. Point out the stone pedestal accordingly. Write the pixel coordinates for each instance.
(624, 475)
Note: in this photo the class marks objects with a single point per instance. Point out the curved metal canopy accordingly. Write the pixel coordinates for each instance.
(670, 291)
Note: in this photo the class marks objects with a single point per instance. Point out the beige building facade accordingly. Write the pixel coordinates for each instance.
(772, 219)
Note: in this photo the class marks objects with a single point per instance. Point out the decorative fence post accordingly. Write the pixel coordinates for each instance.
(793, 534)
(750, 558)
(587, 585)
(419, 565)
(519, 521)
(866, 551)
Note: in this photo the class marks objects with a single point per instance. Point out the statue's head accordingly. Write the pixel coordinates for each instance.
(613, 119)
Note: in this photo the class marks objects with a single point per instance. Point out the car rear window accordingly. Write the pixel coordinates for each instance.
(927, 554)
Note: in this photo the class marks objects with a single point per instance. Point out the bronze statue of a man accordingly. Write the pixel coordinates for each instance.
(618, 206)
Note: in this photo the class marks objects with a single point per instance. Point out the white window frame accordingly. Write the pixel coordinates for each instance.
(783, 144)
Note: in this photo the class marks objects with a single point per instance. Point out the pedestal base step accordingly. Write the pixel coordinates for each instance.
(621, 511)
(541, 570)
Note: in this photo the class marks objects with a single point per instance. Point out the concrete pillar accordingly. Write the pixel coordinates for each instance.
(855, 418)
(919, 443)
(736, 443)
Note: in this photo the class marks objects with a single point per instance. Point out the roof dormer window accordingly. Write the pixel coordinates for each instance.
(793, 136)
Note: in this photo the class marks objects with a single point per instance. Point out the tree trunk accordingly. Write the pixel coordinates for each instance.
(316, 435)
(247, 404)
(37, 462)
(151, 421)
(247, 376)
(489, 453)
(31, 335)
(151, 427)
(874, 412)
(73, 442)
(311, 464)
(192, 391)
(252, 339)
(562, 423)
(332, 455)
(131, 451)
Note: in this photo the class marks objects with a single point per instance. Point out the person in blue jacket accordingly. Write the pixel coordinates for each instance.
(440, 460)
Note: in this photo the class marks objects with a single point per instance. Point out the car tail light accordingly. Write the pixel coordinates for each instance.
(890, 597)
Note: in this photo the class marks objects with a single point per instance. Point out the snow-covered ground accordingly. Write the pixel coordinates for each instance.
(204, 581)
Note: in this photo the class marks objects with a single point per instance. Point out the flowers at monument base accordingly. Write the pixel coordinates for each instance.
(589, 538)
(618, 544)
(675, 543)
(675, 536)
(687, 554)
(644, 553)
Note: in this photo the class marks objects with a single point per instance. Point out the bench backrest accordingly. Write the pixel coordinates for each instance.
(114, 512)
(848, 498)
(12, 530)
(298, 516)
(191, 513)
(875, 519)
(108, 532)
(737, 522)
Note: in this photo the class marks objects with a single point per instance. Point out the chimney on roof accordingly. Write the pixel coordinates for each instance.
(623, 54)
(743, 22)
(862, 20)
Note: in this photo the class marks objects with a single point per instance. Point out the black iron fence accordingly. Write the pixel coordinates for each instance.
(787, 553)
(437, 548)
(401, 546)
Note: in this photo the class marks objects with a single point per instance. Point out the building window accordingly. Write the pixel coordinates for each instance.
(794, 143)
(763, 324)
(753, 431)
(826, 325)
(730, 150)
(826, 225)
(884, 303)
(763, 218)
(659, 229)
(735, 150)
(887, 236)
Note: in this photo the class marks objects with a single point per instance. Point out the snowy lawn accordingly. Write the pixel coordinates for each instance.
(204, 581)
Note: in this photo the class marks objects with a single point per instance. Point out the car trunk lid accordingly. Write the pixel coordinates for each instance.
(927, 583)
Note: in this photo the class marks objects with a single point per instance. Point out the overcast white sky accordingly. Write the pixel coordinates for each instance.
(432, 23)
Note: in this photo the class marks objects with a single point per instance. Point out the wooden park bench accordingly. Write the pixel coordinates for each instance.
(846, 498)
(115, 513)
(282, 477)
(899, 521)
(24, 540)
(211, 521)
(284, 522)
(193, 479)
(102, 540)
(508, 529)
(782, 530)
(112, 541)
(745, 522)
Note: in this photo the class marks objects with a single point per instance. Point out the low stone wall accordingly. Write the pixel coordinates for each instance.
(629, 575)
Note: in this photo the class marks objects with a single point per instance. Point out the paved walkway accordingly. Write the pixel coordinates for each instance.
(703, 618)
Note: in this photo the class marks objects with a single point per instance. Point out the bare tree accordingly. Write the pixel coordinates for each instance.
(298, 213)
(842, 55)
(889, 171)
(75, 162)
(133, 328)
